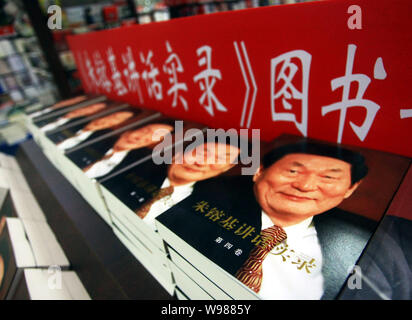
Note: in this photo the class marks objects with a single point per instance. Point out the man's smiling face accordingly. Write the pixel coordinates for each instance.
(142, 137)
(206, 161)
(303, 185)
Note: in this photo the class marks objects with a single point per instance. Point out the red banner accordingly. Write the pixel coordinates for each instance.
(332, 70)
(7, 31)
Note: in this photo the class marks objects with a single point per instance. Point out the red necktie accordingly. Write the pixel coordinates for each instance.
(251, 272)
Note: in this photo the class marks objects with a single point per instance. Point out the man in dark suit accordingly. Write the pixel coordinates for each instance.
(93, 127)
(294, 195)
(303, 182)
(150, 189)
(75, 114)
(386, 266)
(130, 140)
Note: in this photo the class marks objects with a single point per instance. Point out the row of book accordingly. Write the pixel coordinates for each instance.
(194, 204)
(32, 263)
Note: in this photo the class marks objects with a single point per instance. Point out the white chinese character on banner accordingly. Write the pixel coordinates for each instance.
(250, 83)
(91, 72)
(84, 75)
(119, 87)
(406, 113)
(101, 73)
(154, 87)
(345, 82)
(289, 97)
(131, 75)
(207, 80)
(172, 66)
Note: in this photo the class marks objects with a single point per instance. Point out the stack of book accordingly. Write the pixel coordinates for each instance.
(28, 246)
(117, 154)
(215, 241)
(59, 130)
(22, 199)
(15, 255)
(20, 203)
(101, 156)
(130, 187)
(46, 112)
(50, 284)
(196, 226)
(22, 277)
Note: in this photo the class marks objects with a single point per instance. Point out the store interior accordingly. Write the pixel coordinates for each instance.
(83, 217)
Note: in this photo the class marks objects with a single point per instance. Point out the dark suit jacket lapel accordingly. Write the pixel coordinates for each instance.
(342, 237)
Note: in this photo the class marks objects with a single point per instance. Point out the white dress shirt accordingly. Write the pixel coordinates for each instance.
(179, 193)
(293, 269)
(40, 112)
(75, 140)
(51, 126)
(104, 166)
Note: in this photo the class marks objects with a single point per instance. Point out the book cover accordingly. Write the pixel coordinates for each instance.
(64, 106)
(76, 116)
(91, 128)
(124, 147)
(150, 188)
(57, 105)
(384, 271)
(295, 228)
(44, 244)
